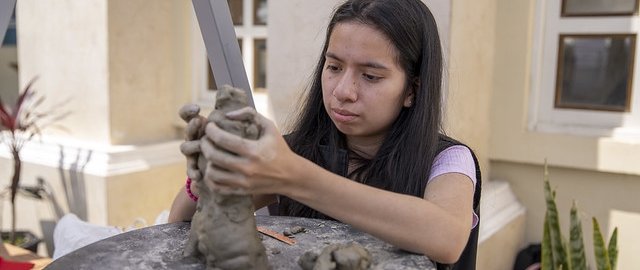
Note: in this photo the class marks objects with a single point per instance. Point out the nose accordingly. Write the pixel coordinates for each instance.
(346, 88)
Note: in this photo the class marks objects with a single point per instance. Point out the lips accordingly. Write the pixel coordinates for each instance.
(342, 115)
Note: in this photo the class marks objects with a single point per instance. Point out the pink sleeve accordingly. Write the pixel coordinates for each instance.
(455, 159)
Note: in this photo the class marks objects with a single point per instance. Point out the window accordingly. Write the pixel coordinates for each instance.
(236, 7)
(599, 7)
(259, 12)
(583, 77)
(250, 22)
(260, 64)
(594, 72)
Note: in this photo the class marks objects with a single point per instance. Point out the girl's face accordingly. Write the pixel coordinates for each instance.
(363, 88)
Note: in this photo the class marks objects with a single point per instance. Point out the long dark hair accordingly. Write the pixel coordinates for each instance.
(403, 162)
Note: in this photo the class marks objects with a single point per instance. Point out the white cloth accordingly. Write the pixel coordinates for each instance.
(72, 233)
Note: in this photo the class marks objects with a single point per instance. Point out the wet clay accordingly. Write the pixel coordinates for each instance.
(223, 229)
(294, 230)
(337, 257)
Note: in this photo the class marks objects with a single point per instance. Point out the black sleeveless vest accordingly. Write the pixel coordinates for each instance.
(467, 258)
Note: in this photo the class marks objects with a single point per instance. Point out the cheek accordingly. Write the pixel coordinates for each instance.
(388, 108)
(387, 117)
(326, 94)
(327, 86)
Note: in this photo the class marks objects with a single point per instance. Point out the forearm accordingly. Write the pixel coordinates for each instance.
(182, 208)
(408, 222)
(263, 200)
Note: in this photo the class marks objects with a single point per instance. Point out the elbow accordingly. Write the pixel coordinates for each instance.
(447, 257)
(449, 252)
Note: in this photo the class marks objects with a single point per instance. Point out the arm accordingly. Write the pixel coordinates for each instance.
(182, 208)
(437, 225)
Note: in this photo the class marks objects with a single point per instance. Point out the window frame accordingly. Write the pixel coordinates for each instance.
(560, 74)
(543, 116)
(566, 13)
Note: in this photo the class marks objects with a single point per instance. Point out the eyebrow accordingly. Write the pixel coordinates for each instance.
(370, 64)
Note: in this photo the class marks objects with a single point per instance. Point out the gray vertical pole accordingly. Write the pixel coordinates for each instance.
(6, 10)
(221, 43)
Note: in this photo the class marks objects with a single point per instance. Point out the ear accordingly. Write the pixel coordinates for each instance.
(409, 98)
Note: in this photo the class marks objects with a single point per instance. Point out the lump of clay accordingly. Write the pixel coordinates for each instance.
(223, 229)
(337, 257)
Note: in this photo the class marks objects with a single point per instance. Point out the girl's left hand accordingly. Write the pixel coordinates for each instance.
(252, 166)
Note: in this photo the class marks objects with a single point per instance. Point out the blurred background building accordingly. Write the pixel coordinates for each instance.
(526, 81)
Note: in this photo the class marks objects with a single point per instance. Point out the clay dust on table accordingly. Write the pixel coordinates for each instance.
(223, 229)
(351, 256)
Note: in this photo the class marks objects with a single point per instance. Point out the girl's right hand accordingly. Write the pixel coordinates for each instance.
(194, 130)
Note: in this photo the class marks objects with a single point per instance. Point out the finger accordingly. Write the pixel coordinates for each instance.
(250, 114)
(193, 171)
(189, 111)
(189, 148)
(194, 174)
(218, 157)
(243, 114)
(195, 187)
(218, 176)
(194, 128)
(224, 181)
(227, 140)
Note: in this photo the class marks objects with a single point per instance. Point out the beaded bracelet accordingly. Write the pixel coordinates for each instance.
(188, 188)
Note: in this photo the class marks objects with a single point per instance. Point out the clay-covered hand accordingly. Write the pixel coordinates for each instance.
(254, 166)
(194, 130)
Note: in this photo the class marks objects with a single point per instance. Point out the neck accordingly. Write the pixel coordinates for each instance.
(365, 147)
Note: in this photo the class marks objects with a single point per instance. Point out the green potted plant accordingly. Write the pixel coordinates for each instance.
(18, 124)
(557, 253)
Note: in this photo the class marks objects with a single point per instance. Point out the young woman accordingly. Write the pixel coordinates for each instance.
(367, 148)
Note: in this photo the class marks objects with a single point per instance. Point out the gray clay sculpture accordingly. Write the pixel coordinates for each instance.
(223, 229)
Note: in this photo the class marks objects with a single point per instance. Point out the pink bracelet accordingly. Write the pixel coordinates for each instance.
(188, 188)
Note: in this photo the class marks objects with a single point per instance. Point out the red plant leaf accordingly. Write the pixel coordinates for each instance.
(24, 96)
(5, 119)
(11, 121)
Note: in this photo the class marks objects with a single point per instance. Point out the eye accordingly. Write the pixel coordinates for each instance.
(332, 68)
(371, 78)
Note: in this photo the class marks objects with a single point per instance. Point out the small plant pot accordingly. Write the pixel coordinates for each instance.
(30, 240)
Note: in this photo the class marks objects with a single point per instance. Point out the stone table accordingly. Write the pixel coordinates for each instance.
(160, 247)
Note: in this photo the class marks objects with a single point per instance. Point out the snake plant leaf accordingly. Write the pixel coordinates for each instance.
(613, 249)
(578, 255)
(601, 253)
(555, 235)
(546, 256)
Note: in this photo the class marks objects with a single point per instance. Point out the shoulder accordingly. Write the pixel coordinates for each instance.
(445, 142)
(454, 157)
